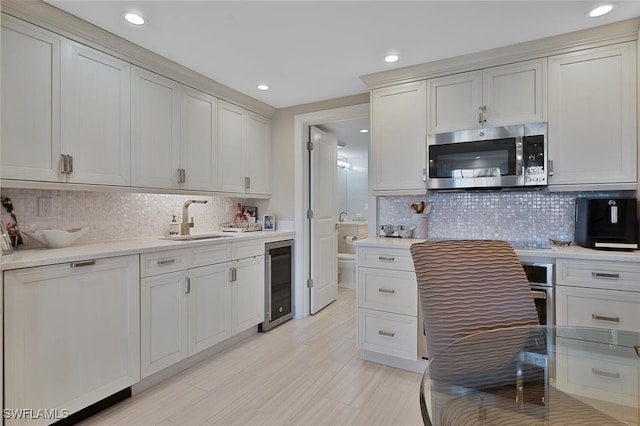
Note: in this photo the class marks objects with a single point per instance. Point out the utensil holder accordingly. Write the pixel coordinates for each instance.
(419, 220)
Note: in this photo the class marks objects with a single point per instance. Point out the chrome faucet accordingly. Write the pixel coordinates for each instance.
(185, 225)
(341, 216)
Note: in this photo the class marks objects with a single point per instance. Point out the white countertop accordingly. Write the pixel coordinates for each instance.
(21, 258)
(570, 252)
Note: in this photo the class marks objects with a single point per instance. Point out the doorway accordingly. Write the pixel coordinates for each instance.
(302, 194)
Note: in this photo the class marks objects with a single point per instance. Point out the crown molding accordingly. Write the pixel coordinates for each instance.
(593, 37)
(58, 21)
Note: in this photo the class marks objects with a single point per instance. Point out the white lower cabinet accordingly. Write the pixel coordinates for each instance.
(247, 293)
(186, 311)
(164, 321)
(596, 293)
(388, 316)
(606, 374)
(599, 294)
(71, 334)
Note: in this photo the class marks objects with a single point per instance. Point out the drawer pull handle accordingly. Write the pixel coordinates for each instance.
(386, 333)
(81, 264)
(386, 290)
(165, 262)
(386, 259)
(605, 374)
(603, 318)
(605, 275)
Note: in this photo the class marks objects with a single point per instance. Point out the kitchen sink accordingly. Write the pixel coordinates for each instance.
(194, 237)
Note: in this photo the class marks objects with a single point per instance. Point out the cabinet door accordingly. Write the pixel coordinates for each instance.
(198, 147)
(155, 130)
(247, 284)
(71, 333)
(30, 107)
(258, 154)
(592, 117)
(454, 102)
(164, 325)
(231, 140)
(398, 137)
(514, 94)
(96, 116)
(209, 306)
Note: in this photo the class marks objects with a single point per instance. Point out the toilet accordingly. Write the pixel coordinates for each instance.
(347, 270)
(348, 232)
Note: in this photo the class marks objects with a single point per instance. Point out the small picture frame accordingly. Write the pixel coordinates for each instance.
(7, 247)
(250, 213)
(268, 223)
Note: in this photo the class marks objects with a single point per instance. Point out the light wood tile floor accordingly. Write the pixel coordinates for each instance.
(304, 372)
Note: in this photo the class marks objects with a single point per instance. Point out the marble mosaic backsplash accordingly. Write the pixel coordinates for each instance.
(115, 215)
(517, 216)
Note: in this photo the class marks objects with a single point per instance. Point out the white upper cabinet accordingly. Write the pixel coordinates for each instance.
(198, 148)
(243, 150)
(454, 102)
(399, 123)
(592, 118)
(96, 116)
(497, 96)
(65, 109)
(155, 130)
(173, 134)
(31, 60)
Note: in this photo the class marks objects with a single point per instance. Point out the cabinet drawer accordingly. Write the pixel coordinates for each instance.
(599, 274)
(388, 290)
(590, 307)
(385, 258)
(242, 249)
(210, 255)
(390, 334)
(163, 262)
(611, 375)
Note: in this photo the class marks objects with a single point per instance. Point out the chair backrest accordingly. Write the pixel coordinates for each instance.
(467, 286)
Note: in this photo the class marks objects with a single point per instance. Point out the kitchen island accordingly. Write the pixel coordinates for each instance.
(388, 326)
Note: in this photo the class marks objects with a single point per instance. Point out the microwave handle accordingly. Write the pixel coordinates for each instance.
(550, 167)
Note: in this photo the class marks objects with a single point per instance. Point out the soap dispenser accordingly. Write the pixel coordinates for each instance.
(174, 226)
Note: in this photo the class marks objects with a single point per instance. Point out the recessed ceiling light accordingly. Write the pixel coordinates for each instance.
(134, 18)
(364, 130)
(391, 58)
(263, 87)
(600, 10)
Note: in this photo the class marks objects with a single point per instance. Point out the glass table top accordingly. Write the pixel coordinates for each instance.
(535, 375)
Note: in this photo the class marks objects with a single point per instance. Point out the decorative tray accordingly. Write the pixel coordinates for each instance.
(244, 227)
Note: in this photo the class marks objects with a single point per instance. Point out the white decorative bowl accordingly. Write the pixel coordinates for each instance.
(56, 238)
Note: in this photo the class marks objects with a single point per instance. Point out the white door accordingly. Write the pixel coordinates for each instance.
(324, 247)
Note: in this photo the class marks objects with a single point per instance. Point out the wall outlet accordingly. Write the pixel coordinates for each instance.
(44, 206)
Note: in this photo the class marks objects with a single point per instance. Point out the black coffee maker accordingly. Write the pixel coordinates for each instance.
(607, 223)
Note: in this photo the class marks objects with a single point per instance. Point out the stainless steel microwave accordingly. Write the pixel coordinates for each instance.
(499, 157)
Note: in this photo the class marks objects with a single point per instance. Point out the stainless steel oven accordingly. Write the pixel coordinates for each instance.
(540, 276)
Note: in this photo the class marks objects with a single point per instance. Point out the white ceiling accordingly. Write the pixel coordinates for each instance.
(315, 50)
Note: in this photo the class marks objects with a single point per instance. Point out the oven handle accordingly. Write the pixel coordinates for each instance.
(538, 294)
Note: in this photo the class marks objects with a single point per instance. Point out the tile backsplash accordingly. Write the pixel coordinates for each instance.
(115, 215)
(518, 216)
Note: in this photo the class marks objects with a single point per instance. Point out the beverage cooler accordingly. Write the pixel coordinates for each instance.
(278, 284)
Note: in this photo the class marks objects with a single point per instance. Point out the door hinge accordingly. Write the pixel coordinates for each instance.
(309, 146)
(310, 283)
(309, 214)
